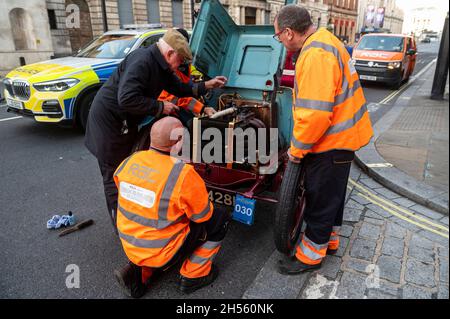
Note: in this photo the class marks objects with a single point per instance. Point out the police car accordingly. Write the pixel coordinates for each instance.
(62, 90)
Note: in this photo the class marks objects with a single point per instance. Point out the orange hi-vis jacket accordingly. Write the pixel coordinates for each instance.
(158, 197)
(329, 107)
(187, 103)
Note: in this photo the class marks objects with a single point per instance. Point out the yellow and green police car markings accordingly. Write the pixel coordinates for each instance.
(398, 211)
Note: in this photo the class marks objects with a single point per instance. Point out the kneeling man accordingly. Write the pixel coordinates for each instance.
(164, 215)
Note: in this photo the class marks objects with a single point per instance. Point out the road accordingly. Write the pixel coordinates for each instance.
(46, 170)
(377, 93)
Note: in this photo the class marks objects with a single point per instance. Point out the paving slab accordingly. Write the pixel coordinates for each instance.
(412, 292)
(363, 249)
(393, 247)
(390, 268)
(414, 137)
(419, 273)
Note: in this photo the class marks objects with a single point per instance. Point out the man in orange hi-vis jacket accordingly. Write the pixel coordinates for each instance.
(331, 122)
(187, 103)
(164, 215)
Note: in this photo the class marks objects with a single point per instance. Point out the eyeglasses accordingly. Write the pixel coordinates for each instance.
(276, 36)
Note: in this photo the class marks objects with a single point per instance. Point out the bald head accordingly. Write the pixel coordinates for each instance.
(165, 133)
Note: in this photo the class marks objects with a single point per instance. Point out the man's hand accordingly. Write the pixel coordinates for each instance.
(209, 111)
(217, 82)
(169, 108)
(292, 158)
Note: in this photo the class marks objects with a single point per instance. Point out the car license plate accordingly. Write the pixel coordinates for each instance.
(244, 210)
(14, 104)
(221, 198)
(368, 77)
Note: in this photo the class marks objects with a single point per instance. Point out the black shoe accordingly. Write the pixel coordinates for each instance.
(332, 251)
(130, 280)
(292, 266)
(188, 285)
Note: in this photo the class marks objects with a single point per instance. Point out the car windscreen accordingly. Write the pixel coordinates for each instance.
(111, 46)
(381, 43)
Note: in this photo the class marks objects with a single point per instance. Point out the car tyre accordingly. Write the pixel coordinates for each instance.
(290, 209)
(398, 83)
(84, 108)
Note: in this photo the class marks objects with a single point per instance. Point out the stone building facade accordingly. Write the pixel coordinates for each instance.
(52, 31)
(24, 33)
(338, 16)
(342, 18)
(318, 10)
(168, 13)
(393, 15)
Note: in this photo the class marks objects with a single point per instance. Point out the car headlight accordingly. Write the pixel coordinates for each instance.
(394, 65)
(56, 85)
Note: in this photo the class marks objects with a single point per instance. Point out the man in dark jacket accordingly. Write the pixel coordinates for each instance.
(130, 95)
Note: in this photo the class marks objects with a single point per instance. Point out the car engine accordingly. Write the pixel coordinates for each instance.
(243, 128)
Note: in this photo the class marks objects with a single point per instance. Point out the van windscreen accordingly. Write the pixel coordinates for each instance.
(381, 43)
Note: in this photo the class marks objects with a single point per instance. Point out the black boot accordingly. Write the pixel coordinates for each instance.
(188, 285)
(332, 251)
(130, 280)
(292, 266)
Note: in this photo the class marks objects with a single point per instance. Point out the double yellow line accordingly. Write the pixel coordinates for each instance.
(399, 212)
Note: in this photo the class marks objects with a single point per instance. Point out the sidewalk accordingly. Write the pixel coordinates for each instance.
(418, 141)
(410, 150)
(390, 248)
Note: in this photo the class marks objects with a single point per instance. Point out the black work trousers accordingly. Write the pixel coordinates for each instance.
(111, 192)
(326, 177)
(214, 229)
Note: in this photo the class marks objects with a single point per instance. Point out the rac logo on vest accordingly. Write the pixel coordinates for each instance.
(142, 172)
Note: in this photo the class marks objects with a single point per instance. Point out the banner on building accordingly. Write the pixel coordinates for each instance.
(370, 15)
(379, 20)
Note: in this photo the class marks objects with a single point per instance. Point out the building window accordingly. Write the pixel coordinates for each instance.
(125, 12)
(153, 11)
(52, 19)
(177, 13)
(250, 15)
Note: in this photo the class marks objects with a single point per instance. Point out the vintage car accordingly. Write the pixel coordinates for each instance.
(253, 109)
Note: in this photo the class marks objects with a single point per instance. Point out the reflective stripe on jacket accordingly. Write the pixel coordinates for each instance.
(187, 103)
(329, 107)
(158, 197)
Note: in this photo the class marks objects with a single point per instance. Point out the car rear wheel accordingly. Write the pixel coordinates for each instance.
(84, 108)
(290, 209)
